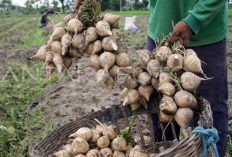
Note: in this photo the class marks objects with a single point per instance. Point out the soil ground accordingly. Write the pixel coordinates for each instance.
(77, 92)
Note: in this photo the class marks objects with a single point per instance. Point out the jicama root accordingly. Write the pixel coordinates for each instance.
(164, 77)
(79, 42)
(144, 78)
(58, 61)
(103, 142)
(185, 99)
(102, 75)
(89, 49)
(144, 57)
(122, 48)
(114, 71)
(175, 62)
(167, 89)
(168, 105)
(119, 144)
(41, 54)
(162, 54)
(80, 146)
(75, 26)
(103, 28)
(65, 42)
(56, 47)
(164, 118)
(146, 91)
(109, 84)
(109, 44)
(130, 83)
(123, 60)
(68, 17)
(57, 34)
(91, 35)
(62, 153)
(183, 117)
(193, 64)
(190, 81)
(97, 46)
(111, 18)
(94, 62)
(107, 60)
(154, 67)
(117, 34)
(50, 68)
(131, 97)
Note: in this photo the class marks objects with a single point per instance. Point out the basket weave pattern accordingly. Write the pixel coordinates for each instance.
(189, 147)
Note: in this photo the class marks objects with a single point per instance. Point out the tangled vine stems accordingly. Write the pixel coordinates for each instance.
(176, 80)
(90, 13)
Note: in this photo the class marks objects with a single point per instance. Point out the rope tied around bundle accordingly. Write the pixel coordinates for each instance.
(211, 135)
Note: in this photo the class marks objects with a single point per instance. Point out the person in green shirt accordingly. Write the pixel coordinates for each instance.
(202, 26)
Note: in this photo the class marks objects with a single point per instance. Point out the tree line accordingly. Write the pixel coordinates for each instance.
(37, 6)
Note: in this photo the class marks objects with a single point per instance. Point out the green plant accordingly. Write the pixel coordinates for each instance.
(126, 134)
(20, 126)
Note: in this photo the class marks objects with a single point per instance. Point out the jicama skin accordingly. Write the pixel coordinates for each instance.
(41, 54)
(146, 91)
(80, 146)
(131, 97)
(94, 62)
(103, 28)
(68, 17)
(144, 57)
(123, 60)
(193, 64)
(130, 83)
(75, 26)
(168, 105)
(103, 142)
(78, 42)
(57, 34)
(91, 35)
(97, 46)
(93, 153)
(111, 18)
(144, 78)
(119, 144)
(190, 81)
(107, 60)
(162, 54)
(56, 47)
(49, 58)
(164, 77)
(164, 118)
(65, 42)
(183, 117)
(185, 99)
(175, 62)
(109, 44)
(154, 67)
(167, 89)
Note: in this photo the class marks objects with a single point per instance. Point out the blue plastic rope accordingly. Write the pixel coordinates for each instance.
(212, 138)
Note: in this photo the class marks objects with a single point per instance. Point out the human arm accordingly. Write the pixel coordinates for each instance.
(199, 17)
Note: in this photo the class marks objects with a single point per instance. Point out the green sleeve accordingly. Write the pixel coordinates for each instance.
(203, 13)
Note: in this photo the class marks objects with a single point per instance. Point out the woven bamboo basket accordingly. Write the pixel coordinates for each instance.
(188, 147)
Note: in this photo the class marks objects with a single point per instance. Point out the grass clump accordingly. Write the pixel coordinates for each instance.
(19, 125)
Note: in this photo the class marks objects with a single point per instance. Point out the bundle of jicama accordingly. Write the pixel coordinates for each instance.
(170, 71)
(101, 141)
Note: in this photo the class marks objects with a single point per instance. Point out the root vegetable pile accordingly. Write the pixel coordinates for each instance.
(101, 141)
(170, 71)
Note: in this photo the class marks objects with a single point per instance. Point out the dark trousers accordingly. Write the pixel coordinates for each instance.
(42, 24)
(214, 90)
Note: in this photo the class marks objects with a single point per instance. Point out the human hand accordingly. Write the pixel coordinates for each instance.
(181, 32)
